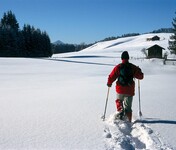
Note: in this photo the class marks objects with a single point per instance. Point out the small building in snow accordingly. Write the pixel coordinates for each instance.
(154, 38)
(155, 51)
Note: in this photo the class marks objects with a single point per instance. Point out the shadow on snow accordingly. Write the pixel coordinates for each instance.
(81, 62)
(155, 121)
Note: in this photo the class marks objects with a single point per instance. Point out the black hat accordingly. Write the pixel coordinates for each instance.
(125, 55)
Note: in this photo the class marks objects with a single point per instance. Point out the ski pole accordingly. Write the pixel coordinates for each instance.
(140, 113)
(103, 117)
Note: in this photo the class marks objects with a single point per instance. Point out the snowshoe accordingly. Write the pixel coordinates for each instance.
(120, 116)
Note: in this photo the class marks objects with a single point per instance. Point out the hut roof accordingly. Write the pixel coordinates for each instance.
(155, 36)
(155, 46)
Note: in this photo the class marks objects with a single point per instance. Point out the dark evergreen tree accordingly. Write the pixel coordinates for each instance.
(172, 41)
(9, 21)
(3, 42)
(37, 43)
(47, 45)
(9, 35)
(26, 32)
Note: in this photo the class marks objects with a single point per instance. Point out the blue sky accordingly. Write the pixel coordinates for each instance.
(77, 21)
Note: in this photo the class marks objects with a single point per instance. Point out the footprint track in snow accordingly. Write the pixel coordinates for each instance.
(130, 136)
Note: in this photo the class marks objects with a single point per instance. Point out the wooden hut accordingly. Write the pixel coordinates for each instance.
(155, 51)
(154, 38)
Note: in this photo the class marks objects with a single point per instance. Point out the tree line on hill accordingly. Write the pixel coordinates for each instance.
(65, 48)
(162, 30)
(28, 42)
(117, 37)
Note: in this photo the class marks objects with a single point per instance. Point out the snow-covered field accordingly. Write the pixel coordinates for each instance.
(57, 103)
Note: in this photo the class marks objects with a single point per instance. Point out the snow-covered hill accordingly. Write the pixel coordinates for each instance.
(57, 103)
(129, 43)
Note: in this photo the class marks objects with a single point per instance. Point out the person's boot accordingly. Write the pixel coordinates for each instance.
(129, 115)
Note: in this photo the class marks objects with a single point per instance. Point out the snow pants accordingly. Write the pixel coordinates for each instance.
(124, 101)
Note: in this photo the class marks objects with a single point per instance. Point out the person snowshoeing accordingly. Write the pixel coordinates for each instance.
(124, 73)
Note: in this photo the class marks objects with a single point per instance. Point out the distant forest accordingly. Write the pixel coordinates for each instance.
(32, 42)
(65, 48)
(28, 42)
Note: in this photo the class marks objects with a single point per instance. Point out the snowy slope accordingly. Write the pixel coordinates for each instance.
(136, 42)
(57, 103)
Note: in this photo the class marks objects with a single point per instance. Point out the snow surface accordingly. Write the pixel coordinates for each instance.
(57, 103)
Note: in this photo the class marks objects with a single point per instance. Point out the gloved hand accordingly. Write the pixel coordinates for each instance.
(109, 85)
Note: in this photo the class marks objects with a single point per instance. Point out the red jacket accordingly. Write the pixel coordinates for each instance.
(129, 89)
